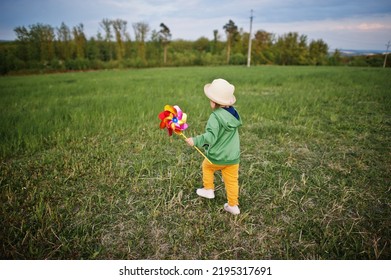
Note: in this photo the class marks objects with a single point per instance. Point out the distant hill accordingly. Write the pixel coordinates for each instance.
(348, 52)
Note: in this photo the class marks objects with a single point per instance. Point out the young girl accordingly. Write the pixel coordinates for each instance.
(221, 142)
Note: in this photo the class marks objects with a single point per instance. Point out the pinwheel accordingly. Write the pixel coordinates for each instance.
(174, 120)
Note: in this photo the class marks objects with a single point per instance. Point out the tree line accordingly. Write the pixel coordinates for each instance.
(41, 47)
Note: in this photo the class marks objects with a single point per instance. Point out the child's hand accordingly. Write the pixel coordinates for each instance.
(190, 141)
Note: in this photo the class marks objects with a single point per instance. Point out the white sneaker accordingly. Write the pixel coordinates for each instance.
(206, 193)
(232, 209)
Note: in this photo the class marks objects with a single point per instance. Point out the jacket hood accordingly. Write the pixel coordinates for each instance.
(228, 121)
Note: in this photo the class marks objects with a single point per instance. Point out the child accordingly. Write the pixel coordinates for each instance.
(221, 142)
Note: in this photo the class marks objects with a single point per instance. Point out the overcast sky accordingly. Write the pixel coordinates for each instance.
(342, 24)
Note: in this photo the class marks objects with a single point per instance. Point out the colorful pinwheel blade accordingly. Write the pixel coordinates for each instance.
(170, 109)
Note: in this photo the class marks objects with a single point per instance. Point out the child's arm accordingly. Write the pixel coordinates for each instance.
(210, 135)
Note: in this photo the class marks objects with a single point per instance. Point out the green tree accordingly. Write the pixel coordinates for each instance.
(43, 35)
(318, 51)
(240, 42)
(119, 26)
(336, 58)
(107, 51)
(302, 53)
(201, 44)
(231, 30)
(155, 49)
(92, 49)
(215, 40)
(141, 30)
(217, 46)
(262, 47)
(23, 43)
(37, 42)
(8, 59)
(80, 41)
(292, 49)
(165, 39)
(64, 42)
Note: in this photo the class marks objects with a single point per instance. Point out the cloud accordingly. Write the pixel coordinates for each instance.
(361, 27)
(366, 24)
(371, 26)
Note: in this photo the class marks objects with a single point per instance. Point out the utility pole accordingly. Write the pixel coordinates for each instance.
(385, 59)
(249, 41)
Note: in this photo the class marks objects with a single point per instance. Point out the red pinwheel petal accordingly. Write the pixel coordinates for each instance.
(163, 124)
(162, 115)
(165, 117)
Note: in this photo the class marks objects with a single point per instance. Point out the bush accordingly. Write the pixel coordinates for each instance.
(238, 59)
(77, 64)
(56, 64)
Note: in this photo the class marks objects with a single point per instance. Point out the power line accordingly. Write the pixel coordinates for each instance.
(385, 58)
(249, 41)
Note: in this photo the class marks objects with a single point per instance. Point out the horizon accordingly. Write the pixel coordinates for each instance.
(355, 25)
(359, 51)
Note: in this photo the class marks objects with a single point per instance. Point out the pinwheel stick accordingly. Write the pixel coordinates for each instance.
(184, 136)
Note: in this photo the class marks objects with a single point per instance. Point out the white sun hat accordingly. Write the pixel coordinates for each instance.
(220, 92)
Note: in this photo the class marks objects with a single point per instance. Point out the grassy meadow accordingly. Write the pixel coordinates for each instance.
(86, 173)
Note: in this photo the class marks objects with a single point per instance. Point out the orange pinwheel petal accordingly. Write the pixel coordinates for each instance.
(170, 108)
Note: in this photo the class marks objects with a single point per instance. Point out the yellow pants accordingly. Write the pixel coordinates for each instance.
(230, 176)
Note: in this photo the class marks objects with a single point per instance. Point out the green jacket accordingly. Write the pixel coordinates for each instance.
(221, 139)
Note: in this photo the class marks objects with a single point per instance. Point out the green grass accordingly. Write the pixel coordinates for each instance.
(85, 172)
